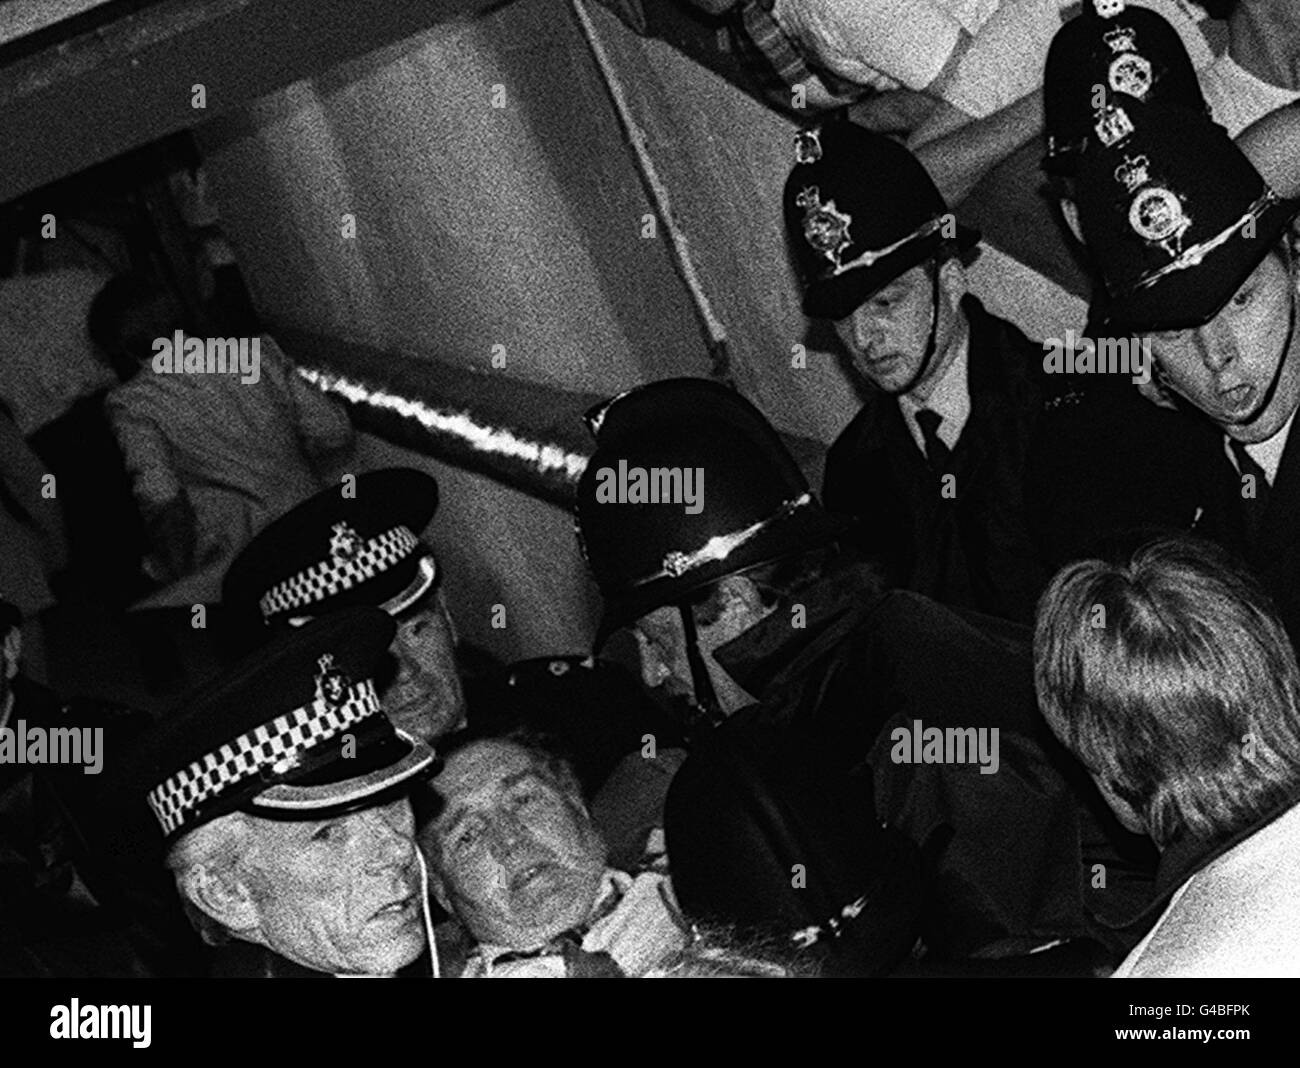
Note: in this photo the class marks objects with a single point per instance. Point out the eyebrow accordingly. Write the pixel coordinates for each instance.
(461, 811)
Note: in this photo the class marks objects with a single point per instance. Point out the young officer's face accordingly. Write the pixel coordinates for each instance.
(1225, 368)
(886, 335)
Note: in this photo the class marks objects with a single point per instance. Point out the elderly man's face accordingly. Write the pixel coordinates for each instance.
(516, 857)
(339, 895)
(425, 697)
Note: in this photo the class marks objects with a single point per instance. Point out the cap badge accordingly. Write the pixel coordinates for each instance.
(1133, 173)
(1131, 74)
(1113, 125)
(826, 229)
(1157, 215)
(1121, 39)
(1108, 9)
(332, 684)
(807, 146)
(676, 564)
(345, 543)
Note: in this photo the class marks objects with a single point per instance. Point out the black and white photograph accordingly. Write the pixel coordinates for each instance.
(728, 489)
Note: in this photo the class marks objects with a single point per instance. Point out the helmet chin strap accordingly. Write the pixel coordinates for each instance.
(930, 344)
(706, 698)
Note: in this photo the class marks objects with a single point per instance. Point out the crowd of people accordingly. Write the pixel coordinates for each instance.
(1015, 694)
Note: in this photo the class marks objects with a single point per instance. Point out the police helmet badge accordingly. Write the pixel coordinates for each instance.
(1108, 9)
(332, 684)
(825, 228)
(1155, 214)
(345, 543)
(1112, 125)
(676, 564)
(1121, 39)
(807, 146)
(1131, 74)
(1133, 173)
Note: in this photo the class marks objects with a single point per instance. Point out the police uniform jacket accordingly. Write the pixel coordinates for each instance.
(1009, 852)
(973, 549)
(1107, 464)
(1109, 468)
(1272, 548)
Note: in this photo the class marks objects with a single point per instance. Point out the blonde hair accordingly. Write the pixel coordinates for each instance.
(1172, 679)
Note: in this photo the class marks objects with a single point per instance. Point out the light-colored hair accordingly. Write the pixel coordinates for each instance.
(545, 754)
(719, 951)
(1171, 679)
(219, 847)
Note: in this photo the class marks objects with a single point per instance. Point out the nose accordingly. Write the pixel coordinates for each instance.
(864, 330)
(505, 835)
(405, 663)
(1216, 345)
(391, 833)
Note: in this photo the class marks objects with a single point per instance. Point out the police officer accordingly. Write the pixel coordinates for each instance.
(1106, 460)
(360, 544)
(801, 658)
(935, 461)
(281, 793)
(1199, 258)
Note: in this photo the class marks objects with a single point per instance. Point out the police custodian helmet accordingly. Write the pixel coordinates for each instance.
(1110, 47)
(294, 732)
(756, 506)
(1175, 216)
(860, 210)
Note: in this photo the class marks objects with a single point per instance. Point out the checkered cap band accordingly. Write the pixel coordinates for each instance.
(335, 574)
(281, 741)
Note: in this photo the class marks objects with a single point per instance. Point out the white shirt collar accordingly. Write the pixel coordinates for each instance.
(1268, 453)
(950, 398)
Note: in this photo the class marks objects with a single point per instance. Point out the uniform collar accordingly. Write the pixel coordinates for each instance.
(1268, 453)
(950, 398)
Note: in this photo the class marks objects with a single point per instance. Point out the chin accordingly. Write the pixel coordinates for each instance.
(396, 953)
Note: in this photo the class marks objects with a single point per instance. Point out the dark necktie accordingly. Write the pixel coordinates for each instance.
(936, 452)
(1256, 507)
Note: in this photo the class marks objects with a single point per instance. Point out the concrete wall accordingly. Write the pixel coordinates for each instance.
(522, 226)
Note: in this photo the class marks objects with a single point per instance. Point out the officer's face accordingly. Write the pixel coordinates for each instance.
(425, 697)
(340, 895)
(661, 642)
(1225, 368)
(886, 336)
(516, 857)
